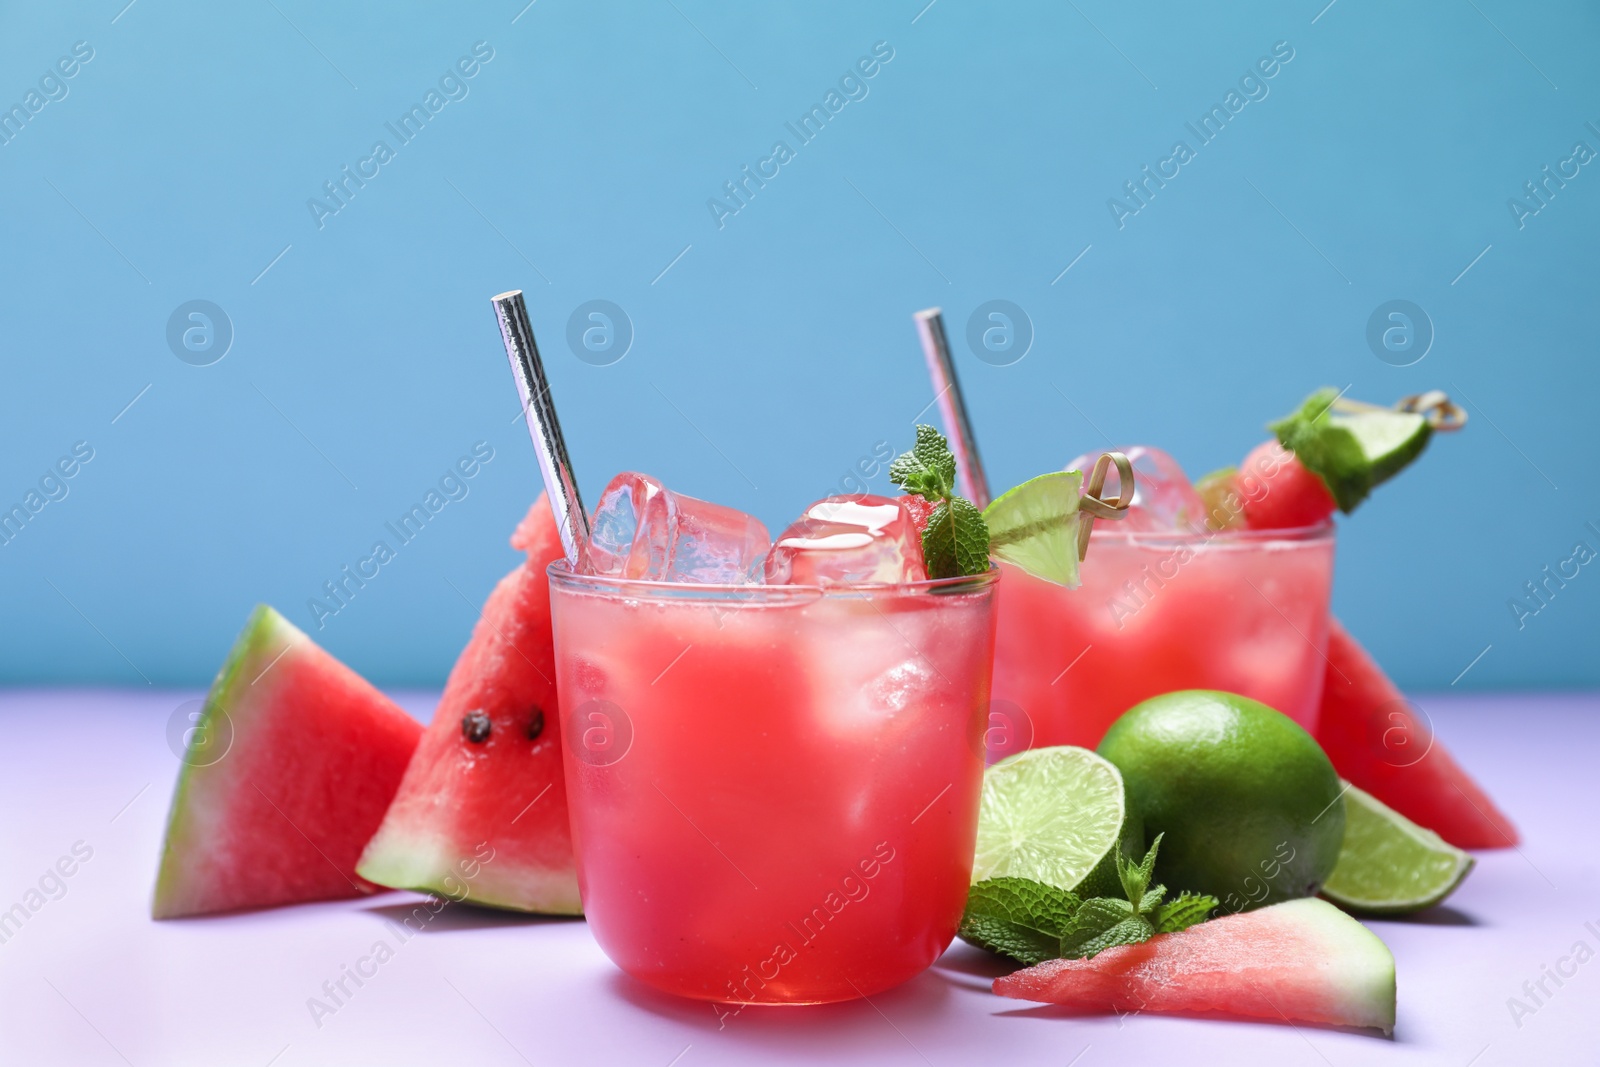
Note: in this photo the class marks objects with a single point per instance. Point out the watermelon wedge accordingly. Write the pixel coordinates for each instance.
(482, 813)
(287, 773)
(1374, 739)
(1300, 961)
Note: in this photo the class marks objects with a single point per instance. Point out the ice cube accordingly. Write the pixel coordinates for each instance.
(848, 539)
(641, 529)
(1163, 499)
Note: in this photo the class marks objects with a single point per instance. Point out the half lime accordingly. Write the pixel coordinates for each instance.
(1053, 815)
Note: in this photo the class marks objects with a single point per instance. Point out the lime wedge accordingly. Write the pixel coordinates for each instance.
(1053, 815)
(1389, 439)
(1353, 452)
(1035, 527)
(1388, 864)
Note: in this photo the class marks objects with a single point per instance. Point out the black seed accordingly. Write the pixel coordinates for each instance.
(475, 725)
(536, 724)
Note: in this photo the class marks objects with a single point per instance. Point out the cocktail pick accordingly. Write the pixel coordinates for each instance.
(572, 522)
(1441, 412)
(969, 467)
(1093, 506)
(952, 406)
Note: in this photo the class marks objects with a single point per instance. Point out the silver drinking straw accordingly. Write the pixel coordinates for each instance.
(952, 406)
(969, 468)
(572, 522)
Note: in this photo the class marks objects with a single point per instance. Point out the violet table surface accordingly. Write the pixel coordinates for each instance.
(89, 979)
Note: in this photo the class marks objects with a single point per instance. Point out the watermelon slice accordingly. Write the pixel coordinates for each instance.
(286, 775)
(1374, 739)
(482, 812)
(1302, 960)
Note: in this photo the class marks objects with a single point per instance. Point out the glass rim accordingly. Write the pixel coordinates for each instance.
(1313, 534)
(562, 576)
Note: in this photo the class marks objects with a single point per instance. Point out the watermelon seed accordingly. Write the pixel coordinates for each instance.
(536, 724)
(475, 725)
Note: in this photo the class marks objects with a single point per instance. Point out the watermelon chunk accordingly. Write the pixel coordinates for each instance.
(482, 812)
(1302, 960)
(289, 770)
(1277, 491)
(1374, 739)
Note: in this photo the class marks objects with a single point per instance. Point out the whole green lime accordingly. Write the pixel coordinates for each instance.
(1248, 802)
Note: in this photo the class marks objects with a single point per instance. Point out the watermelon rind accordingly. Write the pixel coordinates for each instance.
(434, 865)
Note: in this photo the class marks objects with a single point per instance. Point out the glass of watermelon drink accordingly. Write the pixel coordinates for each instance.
(1169, 604)
(773, 786)
(1181, 595)
(1245, 612)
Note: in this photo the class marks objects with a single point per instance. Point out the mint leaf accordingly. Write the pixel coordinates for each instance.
(929, 469)
(1103, 923)
(1311, 409)
(1183, 912)
(1032, 922)
(1326, 450)
(956, 541)
(1135, 877)
(1018, 917)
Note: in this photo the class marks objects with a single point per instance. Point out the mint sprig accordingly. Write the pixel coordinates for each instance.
(929, 469)
(1019, 918)
(956, 540)
(1032, 922)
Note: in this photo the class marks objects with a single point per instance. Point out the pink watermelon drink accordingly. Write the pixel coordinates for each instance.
(773, 787)
(1168, 604)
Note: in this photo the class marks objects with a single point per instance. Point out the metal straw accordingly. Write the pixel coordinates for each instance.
(952, 406)
(572, 522)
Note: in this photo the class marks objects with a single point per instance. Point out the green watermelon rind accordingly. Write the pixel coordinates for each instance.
(425, 867)
(248, 649)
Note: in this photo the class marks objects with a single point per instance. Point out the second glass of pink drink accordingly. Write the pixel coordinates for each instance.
(773, 785)
(1169, 604)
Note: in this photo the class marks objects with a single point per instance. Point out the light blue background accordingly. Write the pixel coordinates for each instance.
(778, 350)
